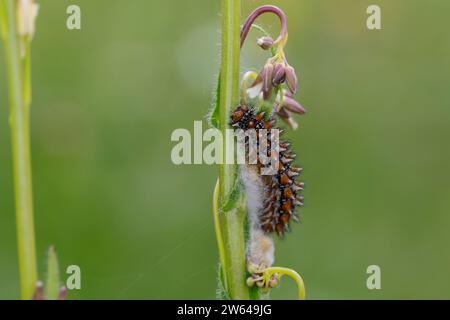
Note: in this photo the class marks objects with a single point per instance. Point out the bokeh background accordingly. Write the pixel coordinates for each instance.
(374, 144)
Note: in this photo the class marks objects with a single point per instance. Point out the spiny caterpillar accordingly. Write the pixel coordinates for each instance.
(281, 191)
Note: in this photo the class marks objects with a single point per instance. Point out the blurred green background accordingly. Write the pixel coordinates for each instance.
(374, 144)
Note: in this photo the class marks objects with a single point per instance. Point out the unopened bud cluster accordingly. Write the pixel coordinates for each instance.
(261, 279)
(278, 82)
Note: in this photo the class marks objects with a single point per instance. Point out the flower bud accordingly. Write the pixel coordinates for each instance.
(250, 282)
(274, 281)
(279, 74)
(267, 75)
(265, 43)
(291, 79)
(293, 105)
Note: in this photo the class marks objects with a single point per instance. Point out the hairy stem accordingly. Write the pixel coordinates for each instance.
(218, 230)
(19, 96)
(233, 211)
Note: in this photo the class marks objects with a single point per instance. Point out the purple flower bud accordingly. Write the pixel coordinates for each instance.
(274, 281)
(267, 75)
(265, 43)
(291, 79)
(279, 74)
(293, 105)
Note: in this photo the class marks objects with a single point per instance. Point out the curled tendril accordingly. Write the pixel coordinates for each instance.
(282, 38)
(280, 271)
(267, 278)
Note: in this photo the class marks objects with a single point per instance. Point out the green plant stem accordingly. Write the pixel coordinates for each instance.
(233, 212)
(218, 230)
(229, 81)
(19, 84)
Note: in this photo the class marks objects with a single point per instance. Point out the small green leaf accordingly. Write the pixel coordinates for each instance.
(234, 196)
(52, 283)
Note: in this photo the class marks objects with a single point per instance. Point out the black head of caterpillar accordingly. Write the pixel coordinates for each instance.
(282, 190)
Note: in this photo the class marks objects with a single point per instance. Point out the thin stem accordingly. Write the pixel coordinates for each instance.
(218, 230)
(27, 75)
(259, 11)
(19, 121)
(233, 217)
